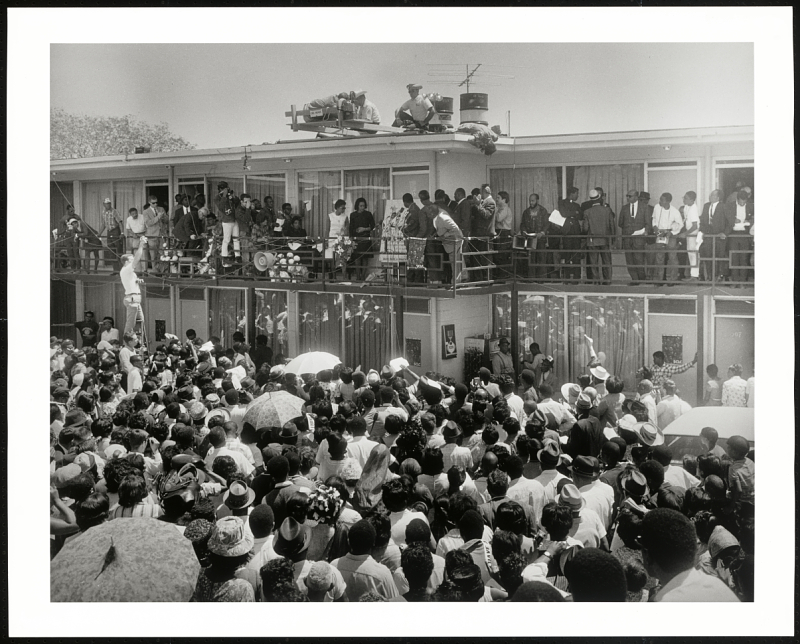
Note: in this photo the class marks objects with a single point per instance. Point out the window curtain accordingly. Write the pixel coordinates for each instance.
(372, 184)
(226, 314)
(127, 194)
(501, 315)
(321, 190)
(541, 320)
(519, 183)
(271, 319)
(320, 322)
(271, 185)
(367, 331)
(616, 180)
(93, 194)
(616, 326)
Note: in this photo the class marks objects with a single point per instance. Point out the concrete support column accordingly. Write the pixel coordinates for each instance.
(292, 322)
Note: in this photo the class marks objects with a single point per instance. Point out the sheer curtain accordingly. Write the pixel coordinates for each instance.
(93, 194)
(268, 185)
(616, 326)
(60, 198)
(616, 180)
(320, 322)
(372, 184)
(519, 183)
(226, 314)
(541, 320)
(501, 315)
(271, 319)
(321, 190)
(127, 194)
(367, 331)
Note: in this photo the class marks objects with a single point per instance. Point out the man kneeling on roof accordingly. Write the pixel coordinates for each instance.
(416, 111)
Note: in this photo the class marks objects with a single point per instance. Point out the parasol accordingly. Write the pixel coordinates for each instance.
(139, 559)
(273, 409)
(312, 362)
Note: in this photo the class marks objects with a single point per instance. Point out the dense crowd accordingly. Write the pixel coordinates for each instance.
(384, 485)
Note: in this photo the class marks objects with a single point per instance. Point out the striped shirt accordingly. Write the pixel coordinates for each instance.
(142, 509)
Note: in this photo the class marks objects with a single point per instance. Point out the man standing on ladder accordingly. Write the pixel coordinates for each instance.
(130, 281)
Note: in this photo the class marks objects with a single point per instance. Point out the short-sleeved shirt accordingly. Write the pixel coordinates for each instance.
(363, 574)
(231, 590)
(418, 107)
(588, 528)
(88, 332)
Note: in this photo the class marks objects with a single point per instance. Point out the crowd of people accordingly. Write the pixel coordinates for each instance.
(469, 237)
(391, 486)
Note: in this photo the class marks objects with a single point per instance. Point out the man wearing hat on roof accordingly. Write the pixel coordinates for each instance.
(417, 111)
(366, 108)
(598, 224)
(502, 363)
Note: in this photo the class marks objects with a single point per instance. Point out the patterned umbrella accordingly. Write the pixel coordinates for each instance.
(312, 362)
(273, 409)
(125, 560)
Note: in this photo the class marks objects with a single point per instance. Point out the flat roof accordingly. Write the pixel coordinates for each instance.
(301, 148)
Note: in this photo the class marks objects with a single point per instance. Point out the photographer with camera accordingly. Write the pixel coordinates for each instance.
(226, 203)
(130, 281)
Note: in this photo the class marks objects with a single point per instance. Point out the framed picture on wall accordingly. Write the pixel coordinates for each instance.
(449, 349)
(672, 346)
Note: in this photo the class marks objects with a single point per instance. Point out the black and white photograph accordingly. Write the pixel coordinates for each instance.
(262, 256)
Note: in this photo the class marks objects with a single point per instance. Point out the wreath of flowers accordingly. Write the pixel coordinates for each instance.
(325, 503)
(343, 248)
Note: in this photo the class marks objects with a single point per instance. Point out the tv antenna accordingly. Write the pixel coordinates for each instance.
(451, 74)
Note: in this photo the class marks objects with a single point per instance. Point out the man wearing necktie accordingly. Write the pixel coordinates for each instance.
(713, 222)
(634, 220)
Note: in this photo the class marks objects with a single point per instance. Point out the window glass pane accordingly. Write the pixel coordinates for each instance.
(411, 183)
(521, 183)
(320, 322)
(262, 186)
(367, 331)
(320, 190)
(616, 327)
(674, 181)
(271, 320)
(226, 314)
(541, 320)
(372, 185)
(501, 315)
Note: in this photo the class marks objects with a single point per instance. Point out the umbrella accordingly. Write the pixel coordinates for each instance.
(125, 560)
(312, 362)
(273, 409)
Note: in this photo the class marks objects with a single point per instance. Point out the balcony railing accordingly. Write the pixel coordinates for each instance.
(431, 263)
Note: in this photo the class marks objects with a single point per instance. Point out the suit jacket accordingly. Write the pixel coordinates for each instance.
(463, 216)
(153, 220)
(417, 224)
(720, 222)
(630, 224)
(730, 218)
(188, 226)
(598, 223)
(483, 218)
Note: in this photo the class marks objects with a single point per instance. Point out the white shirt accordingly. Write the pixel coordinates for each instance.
(418, 107)
(134, 381)
(599, 497)
(108, 336)
(692, 216)
(241, 462)
(515, 404)
(360, 448)
(669, 409)
(129, 279)
(400, 520)
(677, 476)
(337, 224)
(549, 480)
(670, 218)
(695, 586)
(750, 391)
(528, 492)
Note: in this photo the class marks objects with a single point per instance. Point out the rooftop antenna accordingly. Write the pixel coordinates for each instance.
(449, 74)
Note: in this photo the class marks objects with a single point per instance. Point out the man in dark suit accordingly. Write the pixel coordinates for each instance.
(482, 226)
(181, 211)
(178, 211)
(739, 219)
(634, 220)
(713, 222)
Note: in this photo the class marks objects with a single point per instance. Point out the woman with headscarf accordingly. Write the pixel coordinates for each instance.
(375, 474)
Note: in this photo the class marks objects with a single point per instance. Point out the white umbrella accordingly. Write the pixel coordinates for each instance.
(312, 362)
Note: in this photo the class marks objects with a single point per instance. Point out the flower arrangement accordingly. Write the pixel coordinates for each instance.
(325, 504)
(343, 248)
(287, 268)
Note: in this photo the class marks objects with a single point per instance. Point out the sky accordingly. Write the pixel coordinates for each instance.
(225, 95)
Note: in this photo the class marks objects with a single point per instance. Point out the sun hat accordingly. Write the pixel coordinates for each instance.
(114, 451)
(649, 434)
(571, 497)
(593, 194)
(291, 540)
(549, 455)
(636, 483)
(197, 410)
(451, 430)
(229, 538)
(276, 373)
(63, 475)
(570, 390)
(584, 401)
(85, 461)
(75, 418)
(720, 539)
(320, 577)
(213, 399)
(238, 496)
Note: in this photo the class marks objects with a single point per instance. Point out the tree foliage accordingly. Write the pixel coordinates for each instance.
(74, 136)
